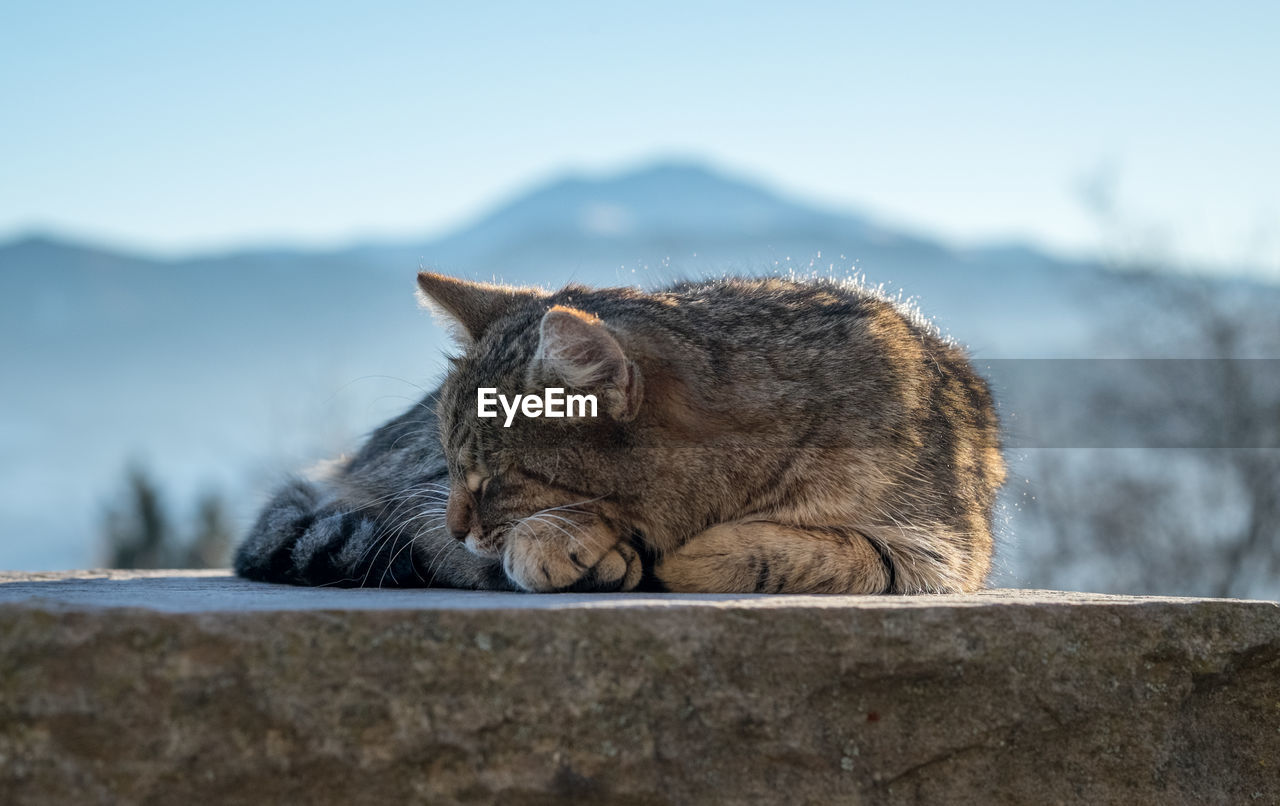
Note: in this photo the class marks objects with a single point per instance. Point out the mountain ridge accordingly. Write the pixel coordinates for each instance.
(671, 201)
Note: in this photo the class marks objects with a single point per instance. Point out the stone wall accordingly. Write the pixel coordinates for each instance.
(176, 687)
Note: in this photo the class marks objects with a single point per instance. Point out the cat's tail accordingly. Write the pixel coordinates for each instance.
(303, 538)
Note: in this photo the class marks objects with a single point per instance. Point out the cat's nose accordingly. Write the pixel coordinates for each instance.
(457, 513)
(458, 524)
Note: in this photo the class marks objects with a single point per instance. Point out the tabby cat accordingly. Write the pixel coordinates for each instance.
(752, 435)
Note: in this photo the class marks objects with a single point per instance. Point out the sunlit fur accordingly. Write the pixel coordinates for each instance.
(754, 435)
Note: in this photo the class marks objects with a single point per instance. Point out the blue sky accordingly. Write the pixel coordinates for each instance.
(170, 128)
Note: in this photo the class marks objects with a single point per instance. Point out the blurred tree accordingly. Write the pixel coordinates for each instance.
(1202, 521)
(210, 547)
(1181, 521)
(138, 532)
(1233, 401)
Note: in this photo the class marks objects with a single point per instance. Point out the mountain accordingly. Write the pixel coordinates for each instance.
(649, 226)
(668, 206)
(679, 213)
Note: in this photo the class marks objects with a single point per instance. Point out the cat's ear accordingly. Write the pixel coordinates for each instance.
(577, 349)
(468, 308)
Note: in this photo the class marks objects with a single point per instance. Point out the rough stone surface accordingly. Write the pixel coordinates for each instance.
(179, 687)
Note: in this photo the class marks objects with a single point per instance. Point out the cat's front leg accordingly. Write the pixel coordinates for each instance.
(545, 554)
(756, 556)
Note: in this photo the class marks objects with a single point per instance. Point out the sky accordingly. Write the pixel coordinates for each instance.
(171, 128)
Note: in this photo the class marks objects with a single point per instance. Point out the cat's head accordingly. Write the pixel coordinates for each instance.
(518, 480)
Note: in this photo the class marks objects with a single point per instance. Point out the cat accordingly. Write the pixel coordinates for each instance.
(753, 435)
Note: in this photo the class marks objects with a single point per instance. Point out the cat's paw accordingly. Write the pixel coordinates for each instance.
(619, 570)
(591, 562)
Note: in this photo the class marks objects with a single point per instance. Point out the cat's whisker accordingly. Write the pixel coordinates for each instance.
(574, 504)
(378, 540)
(577, 529)
(545, 514)
(447, 548)
(391, 562)
(574, 512)
(393, 553)
(383, 539)
(573, 539)
(389, 535)
(392, 500)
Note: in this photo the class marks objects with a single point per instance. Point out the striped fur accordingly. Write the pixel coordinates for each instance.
(755, 435)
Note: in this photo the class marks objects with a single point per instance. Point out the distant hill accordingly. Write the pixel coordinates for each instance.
(649, 226)
(675, 219)
(660, 209)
